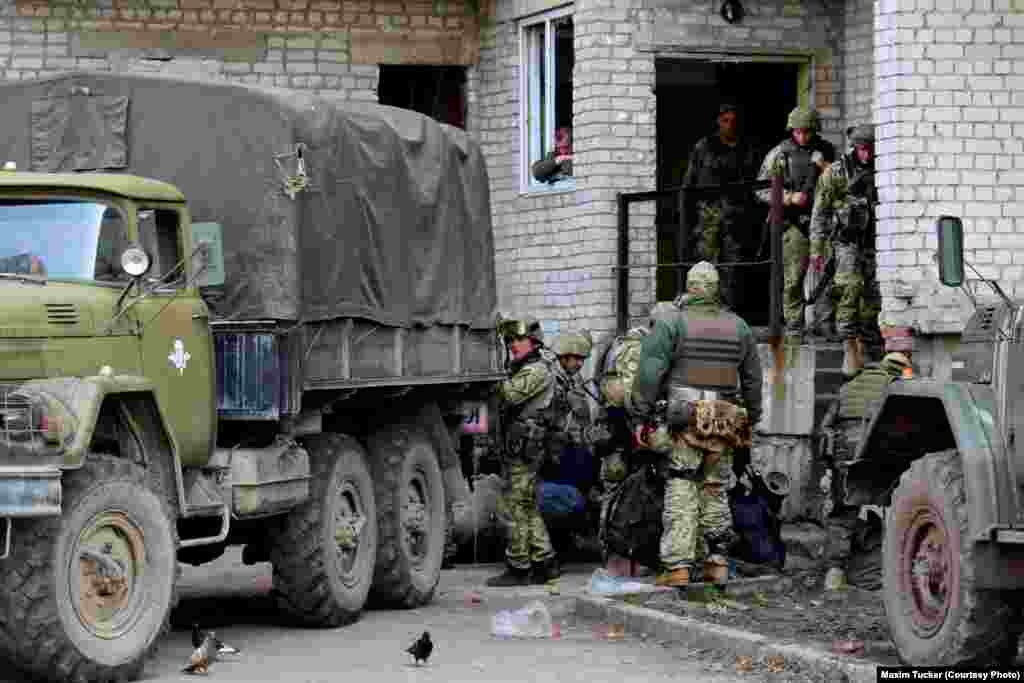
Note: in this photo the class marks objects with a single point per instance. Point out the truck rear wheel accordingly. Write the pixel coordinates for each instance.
(937, 617)
(411, 515)
(87, 594)
(324, 552)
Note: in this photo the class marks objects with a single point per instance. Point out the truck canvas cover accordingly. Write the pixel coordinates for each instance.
(393, 224)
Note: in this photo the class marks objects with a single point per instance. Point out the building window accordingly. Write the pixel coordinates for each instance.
(546, 62)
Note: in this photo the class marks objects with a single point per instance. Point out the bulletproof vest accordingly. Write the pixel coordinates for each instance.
(543, 405)
(859, 397)
(856, 216)
(708, 353)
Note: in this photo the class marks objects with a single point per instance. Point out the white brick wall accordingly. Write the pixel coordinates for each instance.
(951, 108)
(858, 79)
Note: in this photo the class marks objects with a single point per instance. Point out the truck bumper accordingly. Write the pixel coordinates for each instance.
(30, 491)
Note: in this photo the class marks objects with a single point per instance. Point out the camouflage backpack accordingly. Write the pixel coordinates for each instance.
(619, 365)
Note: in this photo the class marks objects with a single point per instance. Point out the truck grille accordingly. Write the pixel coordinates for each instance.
(62, 314)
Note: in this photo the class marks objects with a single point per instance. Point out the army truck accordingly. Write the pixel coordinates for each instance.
(230, 317)
(941, 455)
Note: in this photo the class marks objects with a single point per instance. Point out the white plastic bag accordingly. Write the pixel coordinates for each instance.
(532, 621)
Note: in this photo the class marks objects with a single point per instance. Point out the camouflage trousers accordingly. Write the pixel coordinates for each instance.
(796, 249)
(715, 241)
(528, 539)
(696, 512)
(853, 300)
(841, 522)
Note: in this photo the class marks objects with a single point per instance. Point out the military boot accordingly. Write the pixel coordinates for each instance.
(512, 576)
(546, 571)
(674, 577)
(716, 570)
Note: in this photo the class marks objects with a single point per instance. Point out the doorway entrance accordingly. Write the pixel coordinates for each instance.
(688, 94)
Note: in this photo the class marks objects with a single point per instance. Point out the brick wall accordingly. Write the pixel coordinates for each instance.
(951, 109)
(326, 46)
(858, 79)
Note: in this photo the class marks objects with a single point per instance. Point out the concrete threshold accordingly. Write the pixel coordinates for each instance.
(701, 634)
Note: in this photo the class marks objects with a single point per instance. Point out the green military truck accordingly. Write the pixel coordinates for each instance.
(940, 454)
(230, 317)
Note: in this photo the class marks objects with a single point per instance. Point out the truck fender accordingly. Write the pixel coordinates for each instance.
(79, 401)
(923, 416)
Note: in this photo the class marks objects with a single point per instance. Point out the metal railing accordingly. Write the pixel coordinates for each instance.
(683, 194)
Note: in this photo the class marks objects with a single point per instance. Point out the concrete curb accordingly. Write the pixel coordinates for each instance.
(696, 633)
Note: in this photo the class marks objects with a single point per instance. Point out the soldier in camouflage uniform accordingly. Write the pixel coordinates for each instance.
(534, 411)
(706, 358)
(799, 159)
(842, 427)
(573, 350)
(717, 159)
(843, 223)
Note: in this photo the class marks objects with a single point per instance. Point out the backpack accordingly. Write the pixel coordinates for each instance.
(633, 524)
(756, 523)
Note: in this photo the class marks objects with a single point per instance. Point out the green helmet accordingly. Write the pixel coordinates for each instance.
(524, 326)
(702, 279)
(574, 344)
(863, 134)
(802, 117)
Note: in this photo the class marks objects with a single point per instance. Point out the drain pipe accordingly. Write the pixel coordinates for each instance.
(622, 303)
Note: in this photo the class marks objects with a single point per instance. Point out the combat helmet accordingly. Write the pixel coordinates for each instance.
(702, 279)
(521, 326)
(895, 363)
(863, 134)
(574, 344)
(802, 117)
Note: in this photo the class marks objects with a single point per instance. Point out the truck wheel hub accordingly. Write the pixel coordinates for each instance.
(348, 525)
(929, 569)
(110, 555)
(415, 521)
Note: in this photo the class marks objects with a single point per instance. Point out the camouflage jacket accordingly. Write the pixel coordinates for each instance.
(844, 199)
(535, 406)
(775, 164)
(713, 162)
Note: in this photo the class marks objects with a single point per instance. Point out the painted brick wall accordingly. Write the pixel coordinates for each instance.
(858, 79)
(951, 109)
(325, 46)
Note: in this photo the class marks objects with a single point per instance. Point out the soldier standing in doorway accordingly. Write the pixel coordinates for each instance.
(799, 159)
(843, 229)
(722, 234)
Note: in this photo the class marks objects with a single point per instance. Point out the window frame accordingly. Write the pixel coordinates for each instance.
(527, 185)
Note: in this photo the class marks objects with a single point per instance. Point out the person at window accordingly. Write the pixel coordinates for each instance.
(720, 233)
(558, 162)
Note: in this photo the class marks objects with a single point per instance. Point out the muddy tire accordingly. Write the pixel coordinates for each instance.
(60, 618)
(937, 617)
(411, 518)
(324, 552)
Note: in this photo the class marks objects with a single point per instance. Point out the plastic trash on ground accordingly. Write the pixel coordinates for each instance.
(602, 583)
(531, 621)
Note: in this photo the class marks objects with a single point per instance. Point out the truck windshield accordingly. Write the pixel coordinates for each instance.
(62, 239)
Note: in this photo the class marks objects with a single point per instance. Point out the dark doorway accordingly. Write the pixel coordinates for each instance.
(689, 93)
(437, 91)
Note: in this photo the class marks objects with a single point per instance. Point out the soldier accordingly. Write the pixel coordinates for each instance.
(707, 358)
(615, 373)
(843, 223)
(799, 159)
(534, 409)
(573, 350)
(722, 157)
(842, 428)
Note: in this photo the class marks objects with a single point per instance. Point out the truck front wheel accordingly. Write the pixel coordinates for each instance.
(324, 552)
(411, 512)
(937, 617)
(87, 594)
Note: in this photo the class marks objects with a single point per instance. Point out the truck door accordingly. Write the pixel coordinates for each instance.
(177, 345)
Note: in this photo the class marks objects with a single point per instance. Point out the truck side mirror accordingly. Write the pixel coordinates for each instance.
(208, 261)
(951, 250)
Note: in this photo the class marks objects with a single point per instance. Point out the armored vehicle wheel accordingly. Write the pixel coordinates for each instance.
(411, 515)
(936, 615)
(324, 552)
(87, 594)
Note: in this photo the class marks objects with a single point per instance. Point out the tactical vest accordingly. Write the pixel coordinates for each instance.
(544, 406)
(855, 216)
(799, 169)
(859, 397)
(709, 352)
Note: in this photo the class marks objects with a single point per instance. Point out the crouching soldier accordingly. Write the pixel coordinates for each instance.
(534, 409)
(706, 357)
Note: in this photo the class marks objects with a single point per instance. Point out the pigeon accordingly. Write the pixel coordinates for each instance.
(199, 662)
(221, 648)
(421, 649)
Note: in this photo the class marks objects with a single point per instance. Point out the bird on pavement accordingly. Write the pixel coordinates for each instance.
(221, 648)
(421, 649)
(199, 662)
